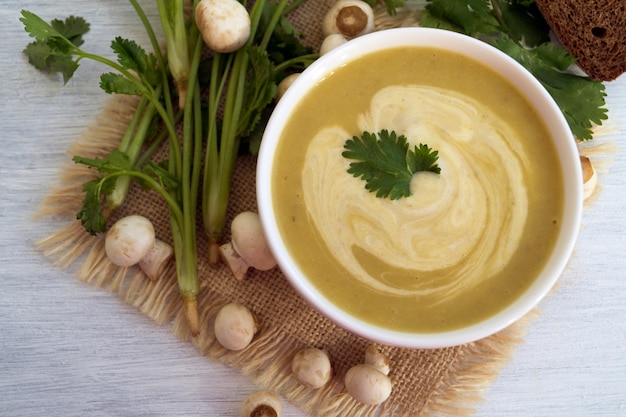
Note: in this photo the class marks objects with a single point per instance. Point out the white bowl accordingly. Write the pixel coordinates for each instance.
(535, 94)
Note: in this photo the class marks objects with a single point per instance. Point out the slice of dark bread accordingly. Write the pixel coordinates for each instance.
(594, 31)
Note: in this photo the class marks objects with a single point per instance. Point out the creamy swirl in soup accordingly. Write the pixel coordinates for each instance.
(467, 241)
(450, 222)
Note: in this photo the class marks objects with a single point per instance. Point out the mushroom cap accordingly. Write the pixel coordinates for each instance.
(249, 241)
(312, 367)
(224, 24)
(285, 84)
(129, 240)
(367, 384)
(332, 41)
(234, 326)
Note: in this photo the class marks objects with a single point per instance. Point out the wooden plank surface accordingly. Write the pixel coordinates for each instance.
(67, 349)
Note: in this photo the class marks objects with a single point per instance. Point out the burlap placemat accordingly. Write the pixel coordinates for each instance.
(446, 382)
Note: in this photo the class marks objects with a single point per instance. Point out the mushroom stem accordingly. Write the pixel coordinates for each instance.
(155, 262)
(248, 247)
(351, 18)
(590, 179)
(237, 265)
(263, 403)
(374, 357)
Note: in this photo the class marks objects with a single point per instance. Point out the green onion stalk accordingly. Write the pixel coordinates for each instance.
(132, 144)
(172, 15)
(141, 126)
(229, 73)
(185, 155)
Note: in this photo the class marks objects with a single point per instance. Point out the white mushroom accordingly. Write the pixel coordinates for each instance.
(285, 84)
(224, 24)
(368, 382)
(248, 247)
(262, 404)
(234, 326)
(131, 240)
(312, 367)
(351, 18)
(590, 178)
(332, 41)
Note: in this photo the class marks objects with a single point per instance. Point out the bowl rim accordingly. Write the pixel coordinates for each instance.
(527, 85)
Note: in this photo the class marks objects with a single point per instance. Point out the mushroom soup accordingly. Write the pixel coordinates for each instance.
(468, 241)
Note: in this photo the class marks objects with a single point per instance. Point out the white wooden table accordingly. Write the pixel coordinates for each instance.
(67, 349)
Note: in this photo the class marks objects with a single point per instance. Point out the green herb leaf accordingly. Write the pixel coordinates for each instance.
(134, 57)
(91, 215)
(72, 28)
(386, 163)
(159, 171)
(517, 28)
(524, 22)
(52, 50)
(259, 93)
(581, 99)
(471, 17)
(285, 42)
(113, 83)
(115, 161)
(114, 166)
(423, 158)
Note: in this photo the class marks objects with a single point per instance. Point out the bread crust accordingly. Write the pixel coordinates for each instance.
(594, 31)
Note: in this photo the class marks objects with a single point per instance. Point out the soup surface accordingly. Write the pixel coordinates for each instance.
(468, 241)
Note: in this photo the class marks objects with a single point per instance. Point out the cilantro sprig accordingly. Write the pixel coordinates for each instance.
(57, 49)
(387, 164)
(111, 168)
(517, 28)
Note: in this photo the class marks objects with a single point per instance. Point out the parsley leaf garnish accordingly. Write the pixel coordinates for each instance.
(386, 163)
